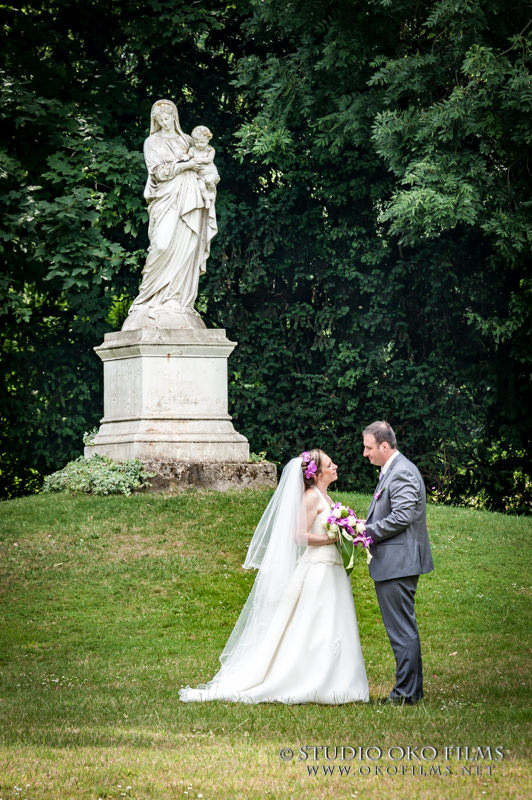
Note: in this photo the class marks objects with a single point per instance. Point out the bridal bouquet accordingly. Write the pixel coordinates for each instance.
(348, 531)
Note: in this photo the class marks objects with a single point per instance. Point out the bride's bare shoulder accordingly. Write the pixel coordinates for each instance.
(311, 499)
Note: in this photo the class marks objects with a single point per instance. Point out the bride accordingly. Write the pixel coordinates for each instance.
(296, 640)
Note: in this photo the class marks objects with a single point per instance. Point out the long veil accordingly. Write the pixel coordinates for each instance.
(277, 543)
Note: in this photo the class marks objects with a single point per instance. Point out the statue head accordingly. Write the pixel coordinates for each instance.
(170, 108)
(201, 132)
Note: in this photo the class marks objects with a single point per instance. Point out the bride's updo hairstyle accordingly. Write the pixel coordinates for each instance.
(307, 459)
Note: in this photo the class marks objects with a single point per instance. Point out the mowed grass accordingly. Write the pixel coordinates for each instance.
(109, 605)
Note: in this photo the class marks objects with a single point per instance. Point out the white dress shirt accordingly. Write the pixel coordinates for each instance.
(386, 467)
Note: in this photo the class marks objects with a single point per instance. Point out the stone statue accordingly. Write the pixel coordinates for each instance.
(180, 192)
(203, 154)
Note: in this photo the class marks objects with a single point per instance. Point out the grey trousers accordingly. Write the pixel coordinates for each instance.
(396, 602)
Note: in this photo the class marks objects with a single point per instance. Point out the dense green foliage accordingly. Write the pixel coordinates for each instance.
(371, 260)
(98, 475)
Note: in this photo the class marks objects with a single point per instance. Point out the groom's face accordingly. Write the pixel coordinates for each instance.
(377, 454)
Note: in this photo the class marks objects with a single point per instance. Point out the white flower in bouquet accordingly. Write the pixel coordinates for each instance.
(344, 527)
(333, 530)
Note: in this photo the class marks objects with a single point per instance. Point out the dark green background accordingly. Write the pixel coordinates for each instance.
(373, 215)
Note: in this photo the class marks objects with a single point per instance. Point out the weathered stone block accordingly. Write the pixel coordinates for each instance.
(165, 397)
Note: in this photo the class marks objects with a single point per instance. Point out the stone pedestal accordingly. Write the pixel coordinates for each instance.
(177, 476)
(165, 398)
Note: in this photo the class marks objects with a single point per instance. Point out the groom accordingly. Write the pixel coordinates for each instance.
(401, 552)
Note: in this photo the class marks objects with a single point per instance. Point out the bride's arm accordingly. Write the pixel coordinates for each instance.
(312, 503)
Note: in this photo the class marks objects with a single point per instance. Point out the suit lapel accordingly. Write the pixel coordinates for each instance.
(373, 499)
(383, 482)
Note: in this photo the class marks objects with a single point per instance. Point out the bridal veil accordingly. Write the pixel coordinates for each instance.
(278, 541)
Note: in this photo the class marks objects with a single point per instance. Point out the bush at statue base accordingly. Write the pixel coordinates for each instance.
(98, 475)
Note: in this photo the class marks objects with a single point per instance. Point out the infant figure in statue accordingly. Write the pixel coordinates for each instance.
(203, 154)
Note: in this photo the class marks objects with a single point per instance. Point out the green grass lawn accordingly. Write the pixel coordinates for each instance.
(109, 605)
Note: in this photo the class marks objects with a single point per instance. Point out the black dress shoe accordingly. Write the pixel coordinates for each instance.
(398, 701)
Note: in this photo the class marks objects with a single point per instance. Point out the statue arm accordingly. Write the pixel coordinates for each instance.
(161, 169)
(169, 170)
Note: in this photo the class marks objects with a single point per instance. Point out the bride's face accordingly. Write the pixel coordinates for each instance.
(329, 471)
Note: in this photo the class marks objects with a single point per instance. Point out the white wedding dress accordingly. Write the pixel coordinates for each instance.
(310, 652)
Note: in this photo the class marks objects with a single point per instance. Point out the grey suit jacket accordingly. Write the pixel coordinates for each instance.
(397, 524)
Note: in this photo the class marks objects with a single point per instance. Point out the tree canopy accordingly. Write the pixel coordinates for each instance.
(373, 213)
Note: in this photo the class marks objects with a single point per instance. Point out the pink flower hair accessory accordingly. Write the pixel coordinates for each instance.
(311, 468)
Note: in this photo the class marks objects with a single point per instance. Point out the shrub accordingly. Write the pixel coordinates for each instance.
(98, 475)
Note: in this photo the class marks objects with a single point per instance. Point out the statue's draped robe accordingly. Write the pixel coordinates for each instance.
(180, 229)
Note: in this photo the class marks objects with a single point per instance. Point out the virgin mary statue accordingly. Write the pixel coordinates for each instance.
(180, 228)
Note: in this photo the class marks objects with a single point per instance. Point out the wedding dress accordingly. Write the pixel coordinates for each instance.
(309, 652)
